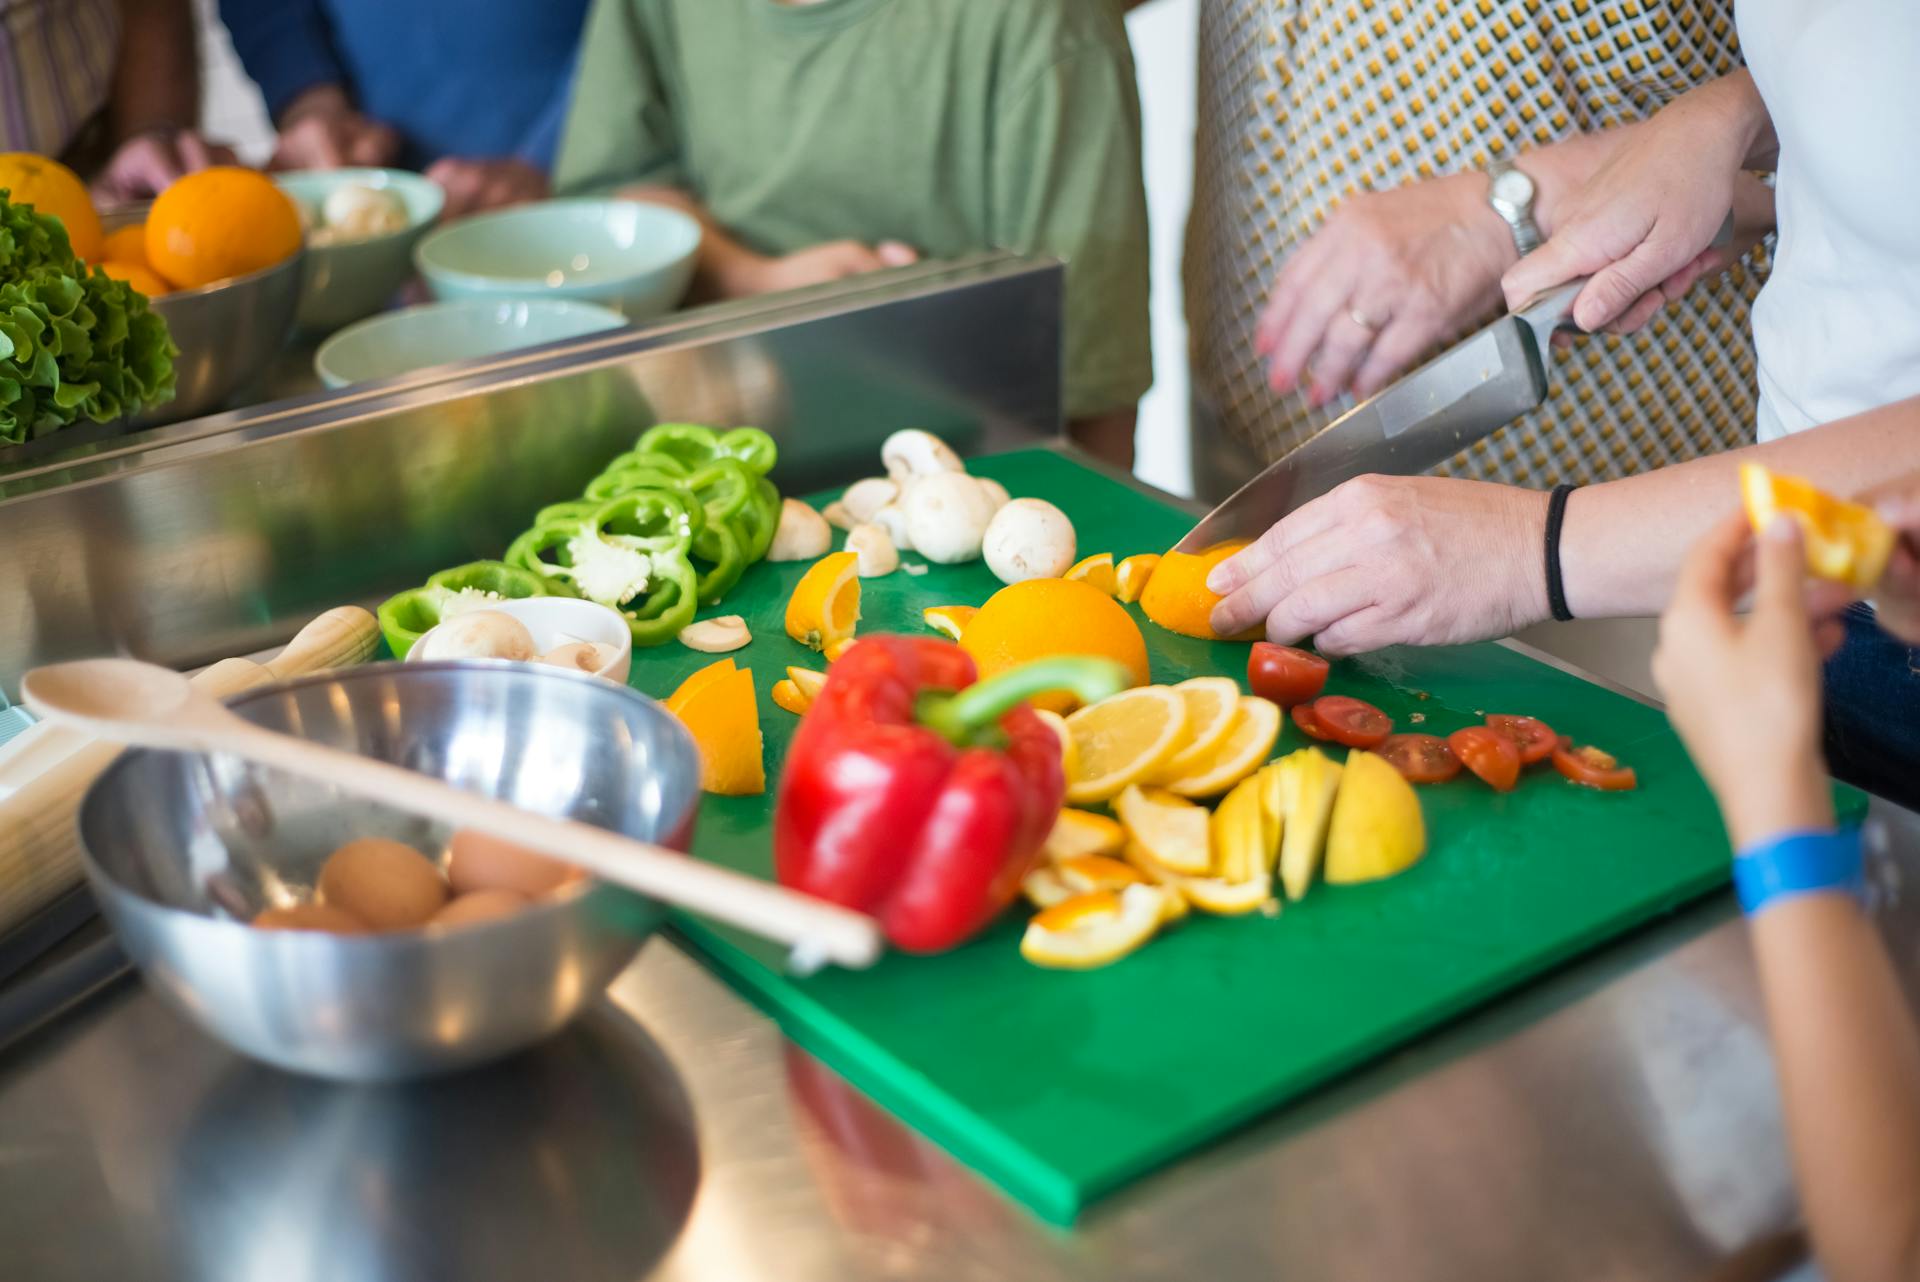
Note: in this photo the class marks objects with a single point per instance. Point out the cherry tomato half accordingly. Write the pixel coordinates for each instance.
(1535, 738)
(1422, 758)
(1489, 754)
(1309, 724)
(1285, 675)
(1354, 722)
(1591, 768)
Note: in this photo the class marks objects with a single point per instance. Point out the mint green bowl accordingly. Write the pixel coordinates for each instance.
(633, 257)
(433, 334)
(356, 278)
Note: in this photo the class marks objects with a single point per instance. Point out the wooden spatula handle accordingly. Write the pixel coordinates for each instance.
(343, 636)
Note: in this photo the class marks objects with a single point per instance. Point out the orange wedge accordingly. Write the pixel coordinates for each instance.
(1177, 596)
(1122, 740)
(1096, 571)
(1171, 830)
(1212, 704)
(1081, 832)
(1846, 542)
(809, 682)
(1083, 874)
(1223, 898)
(825, 605)
(949, 620)
(787, 695)
(1044, 888)
(1245, 749)
(1093, 929)
(724, 720)
(1130, 577)
(705, 676)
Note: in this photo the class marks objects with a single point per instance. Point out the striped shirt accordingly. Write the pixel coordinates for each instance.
(56, 70)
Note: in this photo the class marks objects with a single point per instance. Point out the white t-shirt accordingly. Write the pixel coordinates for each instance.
(1837, 326)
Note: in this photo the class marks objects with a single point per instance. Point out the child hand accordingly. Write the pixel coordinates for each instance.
(1745, 693)
(818, 264)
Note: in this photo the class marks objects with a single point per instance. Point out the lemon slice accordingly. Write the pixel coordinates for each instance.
(1094, 929)
(1096, 571)
(1170, 830)
(1159, 874)
(948, 620)
(1130, 577)
(1212, 704)
(1044, 888)
(1124, 739)
(1083, 874)
(1058, 724)
(1081, 832)
(1255, 727)
(825, 604)
(1225, 898)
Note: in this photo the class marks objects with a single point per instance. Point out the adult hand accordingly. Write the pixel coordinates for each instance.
(474, 185)
(1745, 692)
(1392, 560)
(144, 165)
(1643, 226)
(1391, 274)
(817, 264)
(323, 130)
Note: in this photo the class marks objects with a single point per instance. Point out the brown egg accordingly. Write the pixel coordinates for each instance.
(480, 905)
(476, 861)
(387, 885)
(310, 917)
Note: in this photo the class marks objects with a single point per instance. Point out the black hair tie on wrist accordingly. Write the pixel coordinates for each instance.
(1556, 516)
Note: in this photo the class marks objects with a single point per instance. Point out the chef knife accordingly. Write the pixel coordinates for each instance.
(1461, 396)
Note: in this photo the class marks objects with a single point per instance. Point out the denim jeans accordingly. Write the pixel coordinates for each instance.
(1873, 711)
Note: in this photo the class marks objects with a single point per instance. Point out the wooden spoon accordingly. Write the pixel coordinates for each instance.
(140, 703)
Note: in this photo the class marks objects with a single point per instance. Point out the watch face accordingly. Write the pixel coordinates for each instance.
(1513, 189)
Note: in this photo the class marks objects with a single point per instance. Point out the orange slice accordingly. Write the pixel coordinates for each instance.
(1096, 571)
(724, 720)
(1044, 888)
(705, 676)
(1171, 830)
(1130, 577)
(1083, 874)
(1212, 704)
(1247, 746)
(1081, 832)
(825, 605)
(1846, 542)
(1177, 596)
(1122, 740)
(949, 620)
(1223, 898)
(1093, 929)
(787, 695)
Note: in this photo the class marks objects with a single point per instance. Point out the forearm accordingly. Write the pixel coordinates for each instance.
(1621, 541)
(157, 82)
(724, 267)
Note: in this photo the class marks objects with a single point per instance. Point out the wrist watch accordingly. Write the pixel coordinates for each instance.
(1511, 192)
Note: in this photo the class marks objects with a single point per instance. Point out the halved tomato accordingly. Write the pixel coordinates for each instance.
(1422, 758)
(1309, 724)
(1535, 738)
(1589, 767)
(1285, 675)
(1489, 754)
(1354, 722)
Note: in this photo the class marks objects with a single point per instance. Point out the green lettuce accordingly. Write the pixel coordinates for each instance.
(74, 342)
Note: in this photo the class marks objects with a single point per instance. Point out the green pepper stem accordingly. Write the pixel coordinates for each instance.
(961, 717)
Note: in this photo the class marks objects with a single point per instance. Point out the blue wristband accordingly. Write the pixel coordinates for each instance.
(1799, 863)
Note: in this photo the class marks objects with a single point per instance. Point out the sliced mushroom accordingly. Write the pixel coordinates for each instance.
(864, 498)
(914, 453)
(716, 635)
(947, 515)
(580, 656)
(1028, 539)
(875, 550)
(835, 514)
(802, 535)
(479, 634)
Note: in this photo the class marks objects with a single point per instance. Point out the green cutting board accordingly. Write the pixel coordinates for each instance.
(1062, 1086)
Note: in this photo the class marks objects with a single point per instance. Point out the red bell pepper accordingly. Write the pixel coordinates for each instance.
(915, 794)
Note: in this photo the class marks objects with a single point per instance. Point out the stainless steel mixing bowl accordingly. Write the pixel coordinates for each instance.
(181, 848)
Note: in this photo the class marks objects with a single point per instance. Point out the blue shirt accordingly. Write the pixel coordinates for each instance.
(475, 78)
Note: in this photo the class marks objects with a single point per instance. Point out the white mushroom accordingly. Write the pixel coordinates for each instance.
(874, 547)
(914, 453)
(835, 514)
(580, 656)
(716, 635)
(802, 535)
(1028, 539)
(995, 491)
(864, 498)
(893, 519)
(947, 515)
(479, 634)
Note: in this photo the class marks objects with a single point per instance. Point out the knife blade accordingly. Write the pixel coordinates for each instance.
(1464, 394)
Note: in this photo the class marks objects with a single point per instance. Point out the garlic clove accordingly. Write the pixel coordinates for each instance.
(802, 535)
(836, 515)
(717, 635)
(1028, 539)
(874, 549)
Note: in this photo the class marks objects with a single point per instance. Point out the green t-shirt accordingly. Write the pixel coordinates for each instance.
(951, 125)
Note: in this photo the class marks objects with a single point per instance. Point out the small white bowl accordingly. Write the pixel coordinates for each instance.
(555, 621)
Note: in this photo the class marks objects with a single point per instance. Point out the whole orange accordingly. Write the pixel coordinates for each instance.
(137, 275)
(220, 223)
(1177, 596)
(127, 245)
(51, 188)
(1042, 617)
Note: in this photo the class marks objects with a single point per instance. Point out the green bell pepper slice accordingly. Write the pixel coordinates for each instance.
(669, 605)
(760, 519)
(636, 475)
(687, 443)
(722, 546)
(751, 446)
(406, 616)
